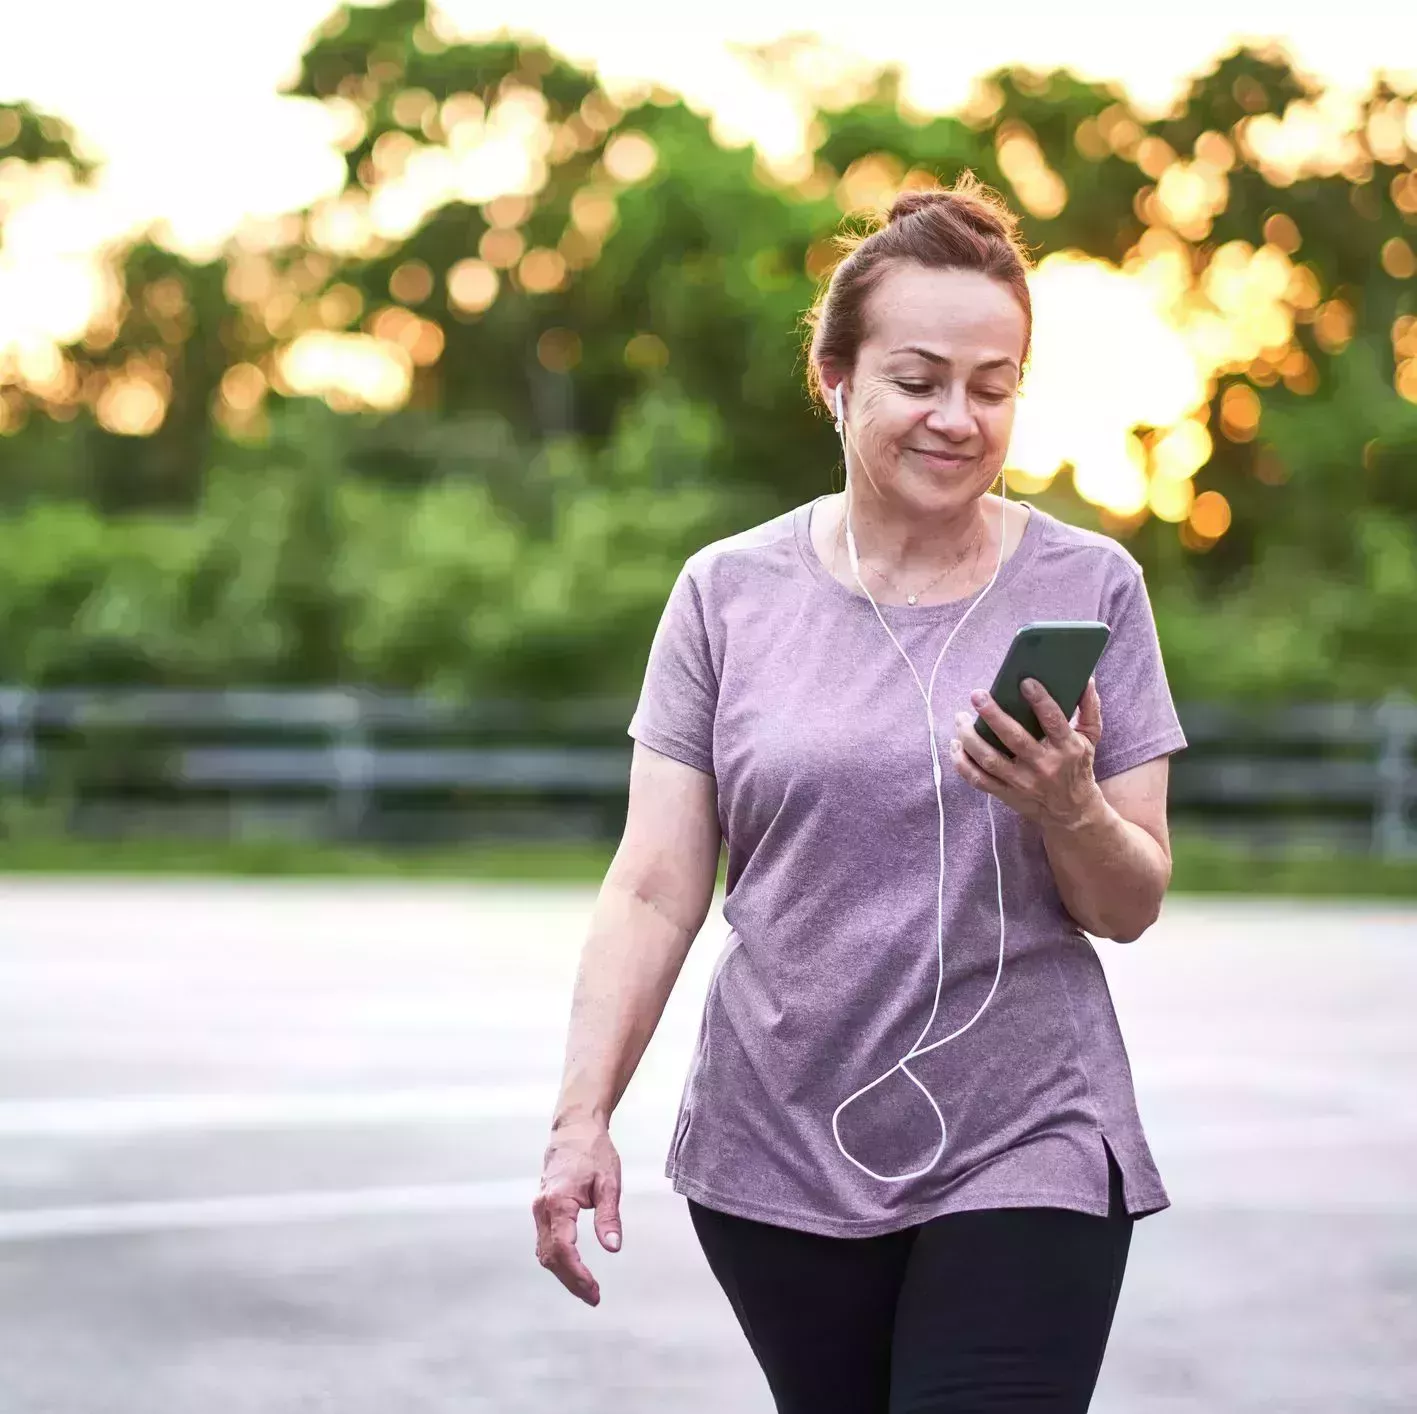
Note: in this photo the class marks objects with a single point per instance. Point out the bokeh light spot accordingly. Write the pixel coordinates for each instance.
(542, 271)
(647, 352)
(1240, 412)
(630, 157)
(337, 367)
(1405, 380)
(1398, 259)
(1280, 230)
(412, 282)
(472, 286)
(243, 385)
(502, 248)
(1171, 500)
(1210, 515)
(559, 350)
(594, 213)
(1333, 325)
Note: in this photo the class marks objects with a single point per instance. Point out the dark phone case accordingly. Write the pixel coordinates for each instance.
(1061, 656)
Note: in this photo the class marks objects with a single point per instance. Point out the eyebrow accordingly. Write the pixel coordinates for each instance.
(940, 358)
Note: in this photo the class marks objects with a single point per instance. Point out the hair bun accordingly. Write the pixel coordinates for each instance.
(907, 203)
(968, 202)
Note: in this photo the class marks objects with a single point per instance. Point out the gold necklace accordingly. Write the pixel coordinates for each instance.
(911, 598)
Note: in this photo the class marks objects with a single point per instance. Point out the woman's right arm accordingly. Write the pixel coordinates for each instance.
(651, 905)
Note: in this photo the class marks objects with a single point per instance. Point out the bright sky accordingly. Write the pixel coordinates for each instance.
(179, 97)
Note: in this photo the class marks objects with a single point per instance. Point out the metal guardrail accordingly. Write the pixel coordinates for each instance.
(1344, 768)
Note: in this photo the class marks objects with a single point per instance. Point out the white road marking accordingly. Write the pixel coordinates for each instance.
(116, 1219)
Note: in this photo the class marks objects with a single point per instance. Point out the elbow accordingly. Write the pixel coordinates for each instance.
(1128, 935)
(1146, 910)
(1128, 930)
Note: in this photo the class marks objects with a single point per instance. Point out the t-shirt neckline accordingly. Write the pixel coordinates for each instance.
(801, 522)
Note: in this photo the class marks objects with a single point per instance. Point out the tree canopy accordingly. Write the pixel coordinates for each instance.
(560, 337)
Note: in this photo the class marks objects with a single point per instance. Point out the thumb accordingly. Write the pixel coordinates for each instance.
(1090, 713)
(607, 1210)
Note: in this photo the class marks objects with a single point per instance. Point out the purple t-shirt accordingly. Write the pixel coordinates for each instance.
(773, 676)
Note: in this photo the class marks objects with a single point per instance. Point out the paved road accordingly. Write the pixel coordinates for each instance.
(270, 1148)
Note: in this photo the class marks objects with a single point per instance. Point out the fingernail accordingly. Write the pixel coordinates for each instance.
(979, 697)
(612, 1241)
(954, 746)
(1030, 686)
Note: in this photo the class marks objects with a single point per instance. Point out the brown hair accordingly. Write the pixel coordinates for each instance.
(965, 227)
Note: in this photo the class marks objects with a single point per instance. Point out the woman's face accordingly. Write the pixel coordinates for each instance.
(930, 403)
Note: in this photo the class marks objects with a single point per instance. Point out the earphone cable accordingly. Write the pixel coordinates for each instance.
(902, 1065)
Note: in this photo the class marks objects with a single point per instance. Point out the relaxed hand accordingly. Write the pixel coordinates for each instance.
(581, 1170)
(1048, 781)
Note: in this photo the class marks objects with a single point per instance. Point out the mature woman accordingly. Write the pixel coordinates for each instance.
(900, 1224)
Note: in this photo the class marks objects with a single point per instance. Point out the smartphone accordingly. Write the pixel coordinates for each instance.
(1061, 655)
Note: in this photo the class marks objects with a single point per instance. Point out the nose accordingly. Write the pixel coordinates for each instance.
(951, 415)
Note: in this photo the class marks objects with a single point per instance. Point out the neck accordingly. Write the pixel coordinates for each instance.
(901, 542)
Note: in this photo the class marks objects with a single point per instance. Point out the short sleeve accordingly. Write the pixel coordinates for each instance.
(1139, 719)
(675, 712)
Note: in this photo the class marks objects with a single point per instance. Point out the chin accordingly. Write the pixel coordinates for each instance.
(940, 492)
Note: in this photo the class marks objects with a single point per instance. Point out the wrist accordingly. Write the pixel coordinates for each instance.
(571, 1114)
(1085, 815)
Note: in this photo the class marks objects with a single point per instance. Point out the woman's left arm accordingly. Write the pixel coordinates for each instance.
(1107, 842)
(1113, 864)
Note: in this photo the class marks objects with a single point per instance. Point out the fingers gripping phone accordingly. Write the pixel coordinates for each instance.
(1060, 655)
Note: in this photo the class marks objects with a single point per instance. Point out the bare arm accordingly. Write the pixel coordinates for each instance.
(633, 954)
(1107, 843)
(1113, 862)
(654, 900)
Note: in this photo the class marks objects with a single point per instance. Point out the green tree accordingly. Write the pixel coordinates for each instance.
(643, 351)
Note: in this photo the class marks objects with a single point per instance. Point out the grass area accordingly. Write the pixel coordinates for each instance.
(1206, 866)
(1201, 865)
(266, 858)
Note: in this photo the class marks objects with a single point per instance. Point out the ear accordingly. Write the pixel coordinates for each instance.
(829, 380)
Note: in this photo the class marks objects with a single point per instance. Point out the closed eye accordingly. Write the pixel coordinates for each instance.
(991, 395)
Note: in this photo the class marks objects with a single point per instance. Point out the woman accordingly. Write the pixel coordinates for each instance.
(951, 1234)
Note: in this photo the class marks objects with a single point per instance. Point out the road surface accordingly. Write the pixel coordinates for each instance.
(269, 1148)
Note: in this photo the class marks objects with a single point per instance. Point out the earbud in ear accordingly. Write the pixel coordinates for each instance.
(840, 416)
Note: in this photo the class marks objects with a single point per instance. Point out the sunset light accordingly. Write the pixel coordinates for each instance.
(1129, 350)
(471, 546)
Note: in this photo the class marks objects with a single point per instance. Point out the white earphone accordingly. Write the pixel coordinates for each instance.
(927, 694)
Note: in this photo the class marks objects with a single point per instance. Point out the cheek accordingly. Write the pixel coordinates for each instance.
(900, 417)
(887, 415)
(1000, 424)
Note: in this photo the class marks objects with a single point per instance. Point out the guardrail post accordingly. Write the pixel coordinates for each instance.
(17, 751)
(354, 766)
(1393, 834)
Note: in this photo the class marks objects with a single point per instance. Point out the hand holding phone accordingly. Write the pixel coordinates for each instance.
(1059, 654)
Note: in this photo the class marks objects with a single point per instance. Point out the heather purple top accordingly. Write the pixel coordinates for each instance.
(777, 679)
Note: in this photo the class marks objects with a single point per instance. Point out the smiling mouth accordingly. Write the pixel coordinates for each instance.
(941, 456)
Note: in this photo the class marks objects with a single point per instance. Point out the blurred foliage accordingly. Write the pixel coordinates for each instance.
(516, 526)
(32, 137)
(290, 570)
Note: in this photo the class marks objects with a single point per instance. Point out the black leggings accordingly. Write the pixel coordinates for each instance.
(1002, 1311)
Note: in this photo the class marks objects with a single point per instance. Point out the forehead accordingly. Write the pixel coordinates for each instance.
(962, 311)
